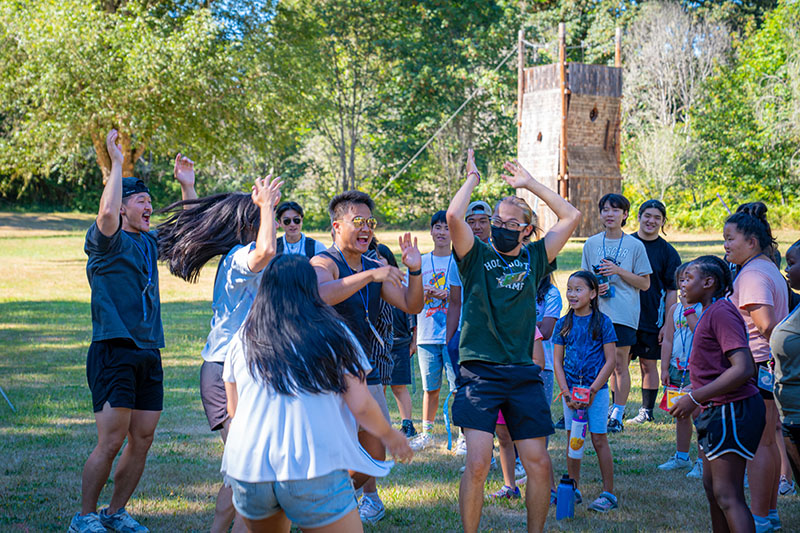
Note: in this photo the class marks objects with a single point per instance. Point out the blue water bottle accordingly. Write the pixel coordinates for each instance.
(565, 506)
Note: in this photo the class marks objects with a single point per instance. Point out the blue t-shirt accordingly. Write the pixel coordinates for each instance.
(584, 356)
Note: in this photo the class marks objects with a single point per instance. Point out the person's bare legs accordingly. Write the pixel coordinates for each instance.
(430, 403)
(622, 375)
(786, 466)
(573, 465)
(403, 399)
(508, 460)
(224, 511)
(112, 427)
(141, 429)
(350, 523)
(764, 470)
(277, 523)
(605, 460)
(723, 481)
(470, 490)
(536, 460)
(683, 434)
(375, 448)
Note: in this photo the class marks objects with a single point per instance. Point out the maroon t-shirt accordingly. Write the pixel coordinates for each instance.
(721, 329)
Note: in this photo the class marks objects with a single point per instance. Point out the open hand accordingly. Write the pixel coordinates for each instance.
(267, 193)
(184, 170)
(472, 169)
(114, 151)
(397, 443)
(411, 256)
(517, 176)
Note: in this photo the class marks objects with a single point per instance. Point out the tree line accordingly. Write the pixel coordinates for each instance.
(339, 94)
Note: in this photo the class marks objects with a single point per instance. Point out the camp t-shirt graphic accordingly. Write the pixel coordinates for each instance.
(438, 272)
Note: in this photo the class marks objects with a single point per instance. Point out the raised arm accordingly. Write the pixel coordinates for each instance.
(266, 196)
(111, 200)
(568, 216)
(184, 174)
(453, 312)
(460, 232)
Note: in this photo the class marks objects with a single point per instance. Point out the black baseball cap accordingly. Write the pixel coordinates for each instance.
(131, 186)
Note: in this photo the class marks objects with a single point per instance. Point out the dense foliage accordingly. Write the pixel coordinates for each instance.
(337, 94)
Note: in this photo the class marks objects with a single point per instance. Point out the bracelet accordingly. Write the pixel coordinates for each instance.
(415, 272)
(476, 173)
(690, 311)
(695, 401)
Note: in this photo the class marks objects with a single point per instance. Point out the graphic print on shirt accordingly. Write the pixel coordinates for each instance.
(609, 253)
(509, 275)
(434, 307)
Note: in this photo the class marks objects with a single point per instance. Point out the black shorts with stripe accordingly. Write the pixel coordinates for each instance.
(734, 427)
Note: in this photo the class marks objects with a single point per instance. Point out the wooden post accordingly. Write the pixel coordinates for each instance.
(520, 84)
(562, 64)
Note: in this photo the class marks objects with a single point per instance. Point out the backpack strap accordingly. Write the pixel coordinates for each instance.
(279, 246)
(311, 247)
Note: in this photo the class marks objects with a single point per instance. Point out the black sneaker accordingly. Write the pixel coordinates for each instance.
(560, 423)
(615, 426)
(408, 429)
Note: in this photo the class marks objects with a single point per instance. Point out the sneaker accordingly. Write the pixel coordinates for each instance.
(604, 503)
(645, 415)
(776, 522)
(519, 470)
(408, 429)
(786, 487)
(88, 523)
(697, 470)
(675, 463)
(763, 525)
(560, 423)
(422, 441)
(371, 509)
(506, 492)
(615, 426)
(461, 446)
(121, 522)
(578, 497)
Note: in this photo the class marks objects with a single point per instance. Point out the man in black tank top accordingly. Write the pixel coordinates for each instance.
(354, 284)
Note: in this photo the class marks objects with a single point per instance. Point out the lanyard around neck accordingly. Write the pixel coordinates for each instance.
(616, 255)
(365, 301)
(446, 270)
(508, 266)
(148, 268)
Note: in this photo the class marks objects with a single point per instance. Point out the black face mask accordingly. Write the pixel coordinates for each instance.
(504, 239)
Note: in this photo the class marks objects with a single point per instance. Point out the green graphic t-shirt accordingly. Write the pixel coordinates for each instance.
(499, 303)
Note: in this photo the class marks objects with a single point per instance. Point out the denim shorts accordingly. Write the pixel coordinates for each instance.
(308, 503)
(432, 359)
(597, 413)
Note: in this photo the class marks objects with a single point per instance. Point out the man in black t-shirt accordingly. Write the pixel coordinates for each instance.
(654, 302)
(123, 366)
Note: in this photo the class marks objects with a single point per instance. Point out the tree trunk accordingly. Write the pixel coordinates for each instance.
(130, 153)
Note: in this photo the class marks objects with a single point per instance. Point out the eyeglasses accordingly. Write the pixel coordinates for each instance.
(497, 222)
(359, 222)
(287, 221)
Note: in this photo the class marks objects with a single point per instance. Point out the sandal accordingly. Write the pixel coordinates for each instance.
(604, 503)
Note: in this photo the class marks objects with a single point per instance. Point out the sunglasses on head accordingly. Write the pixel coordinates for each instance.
(287, 221)
(370, 222)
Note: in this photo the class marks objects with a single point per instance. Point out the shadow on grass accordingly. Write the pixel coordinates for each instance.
(45, 221)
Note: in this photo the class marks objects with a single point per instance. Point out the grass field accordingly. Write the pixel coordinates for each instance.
(45, 329)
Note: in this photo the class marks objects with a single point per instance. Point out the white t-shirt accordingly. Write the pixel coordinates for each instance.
(235, 289)
(274, 437)
(550, 307)
(630, 254)
(299, 247)
(440, 272)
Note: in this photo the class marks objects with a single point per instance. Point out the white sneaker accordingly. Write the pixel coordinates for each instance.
(697, 470)
(786, 487)
(519, 470)
(371, 509)
(421, 441)
(461, 446)
(675, 463)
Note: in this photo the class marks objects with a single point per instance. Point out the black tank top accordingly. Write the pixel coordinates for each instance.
(352, 309)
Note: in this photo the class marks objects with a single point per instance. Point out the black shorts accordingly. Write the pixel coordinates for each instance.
(766, 394)
(734, 427)
(486, 388)
(125, 376)
(646, 346)
(401, 373)
(626, 335)
(212, 394)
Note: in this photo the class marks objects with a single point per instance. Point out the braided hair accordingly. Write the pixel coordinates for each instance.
(714, 267)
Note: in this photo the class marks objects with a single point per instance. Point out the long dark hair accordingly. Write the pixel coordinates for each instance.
(750, 220)
(714, 267)
(200, 229)
(293, 341)
(544, 286)
(596, 323)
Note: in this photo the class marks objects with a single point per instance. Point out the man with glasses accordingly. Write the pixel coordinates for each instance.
(123, 365)
(354, 284)
(294, 241)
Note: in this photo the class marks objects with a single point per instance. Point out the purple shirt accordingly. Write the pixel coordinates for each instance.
(720, 330)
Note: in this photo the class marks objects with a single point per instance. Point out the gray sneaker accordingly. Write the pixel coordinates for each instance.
(675, 463)
(697, 470)
(88, 523)
(121, 522)
(371, 509)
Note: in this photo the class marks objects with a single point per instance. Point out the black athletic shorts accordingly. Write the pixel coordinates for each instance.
(401, 372)
(212, 394)
(734, 427)
(766, 394)
(125, 376)
(626, 335)
(485, 388)
(646, 346)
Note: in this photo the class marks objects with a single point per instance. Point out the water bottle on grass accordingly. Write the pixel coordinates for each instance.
(565, 505)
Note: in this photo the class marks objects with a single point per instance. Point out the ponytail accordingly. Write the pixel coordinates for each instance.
(750, 220)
